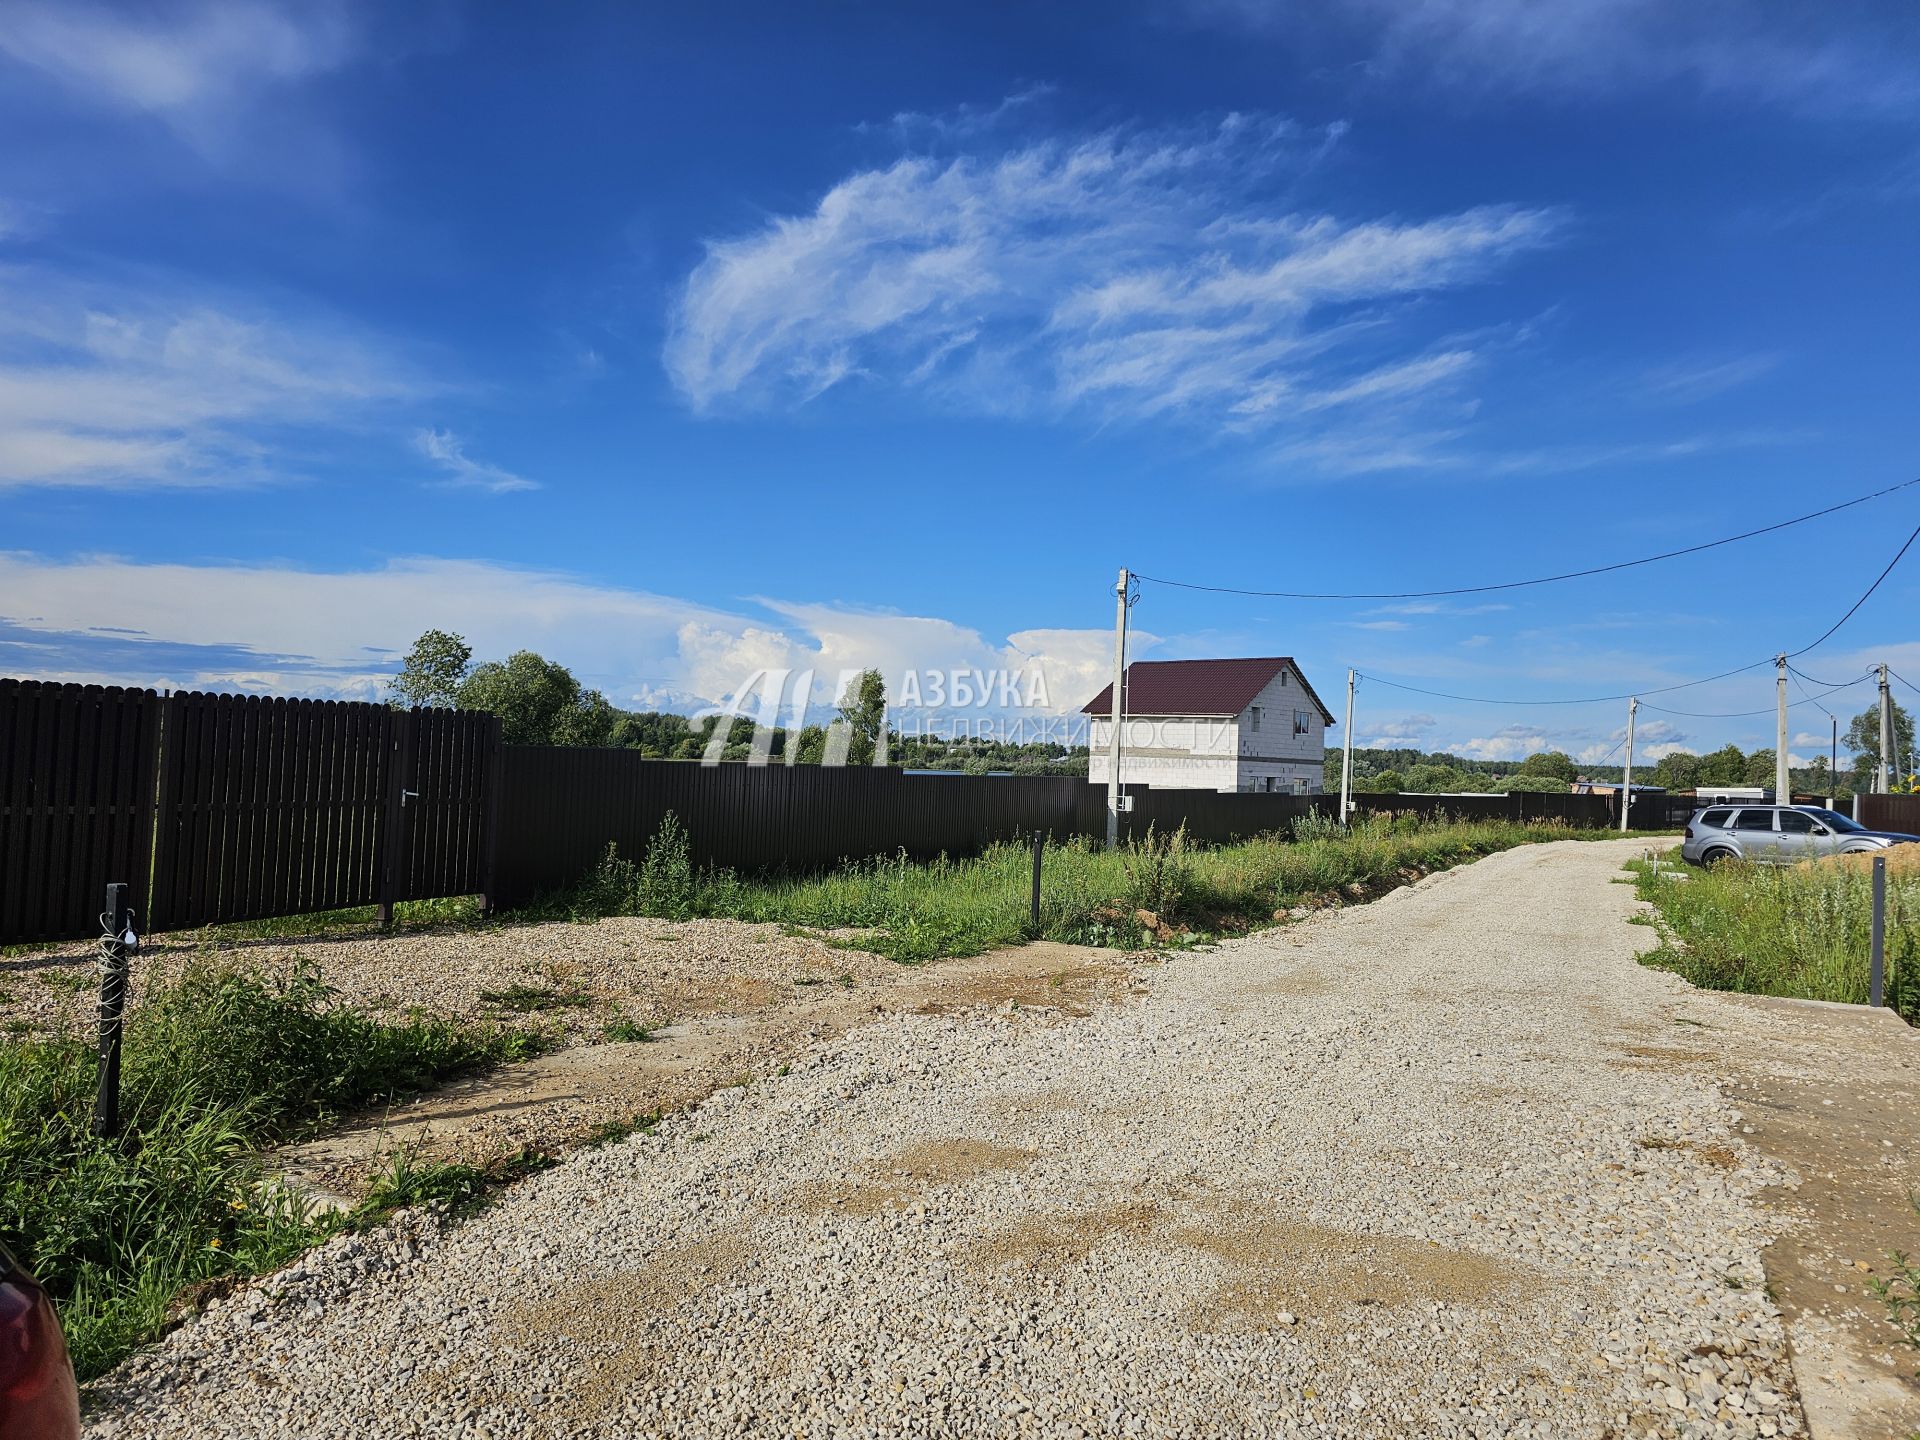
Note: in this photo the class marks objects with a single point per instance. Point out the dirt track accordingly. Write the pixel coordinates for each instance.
(1448, 1164)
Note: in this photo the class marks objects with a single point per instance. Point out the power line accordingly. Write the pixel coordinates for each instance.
(1903, 680)
(1545, 579)
(1862, 600)
(1685, 684)
(1582, 700)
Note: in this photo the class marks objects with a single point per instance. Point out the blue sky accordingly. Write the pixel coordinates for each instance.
(679, 341)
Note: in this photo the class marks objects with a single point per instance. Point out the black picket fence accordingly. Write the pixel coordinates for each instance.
(229, 807)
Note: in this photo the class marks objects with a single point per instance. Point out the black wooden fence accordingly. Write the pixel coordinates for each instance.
(237, 807)
(231, 807)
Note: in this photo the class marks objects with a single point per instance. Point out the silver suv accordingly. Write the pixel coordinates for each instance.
(1777, 834)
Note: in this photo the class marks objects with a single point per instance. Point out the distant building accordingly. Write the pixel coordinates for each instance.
(1214, 725)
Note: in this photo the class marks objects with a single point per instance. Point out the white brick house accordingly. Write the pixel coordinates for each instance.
(1213, 725)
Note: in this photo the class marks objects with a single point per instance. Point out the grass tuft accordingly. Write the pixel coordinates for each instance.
(218, 1064)
(1795, 930)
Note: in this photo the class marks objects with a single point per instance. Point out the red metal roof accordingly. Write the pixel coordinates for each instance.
(1200, 687)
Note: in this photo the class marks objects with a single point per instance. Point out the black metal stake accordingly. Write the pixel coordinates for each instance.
(1039, 849)
(117, 921)
(1877, 969)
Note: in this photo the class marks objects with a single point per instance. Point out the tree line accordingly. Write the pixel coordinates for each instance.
(541, 702)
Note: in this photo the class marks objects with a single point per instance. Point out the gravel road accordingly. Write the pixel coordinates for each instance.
(1445, 1164)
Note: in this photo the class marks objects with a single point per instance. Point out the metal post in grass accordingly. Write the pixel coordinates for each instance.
(117, 941)
(1877, 966)
(1039, 850)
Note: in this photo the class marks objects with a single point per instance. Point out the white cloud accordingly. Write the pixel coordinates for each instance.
(194, 66)
(1838, 58)
(1126, 274)
(447, 451)
(1393, 732)
(340, 632)
(139, 385)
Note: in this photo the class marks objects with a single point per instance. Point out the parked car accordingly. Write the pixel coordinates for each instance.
(38, 1399)
(1778, 834)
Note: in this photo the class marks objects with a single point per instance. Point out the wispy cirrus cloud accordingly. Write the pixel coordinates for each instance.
(1683, 382)
(461, 471)
(195, 67)
(1847, 58)
(140, 384)
(1130, 273)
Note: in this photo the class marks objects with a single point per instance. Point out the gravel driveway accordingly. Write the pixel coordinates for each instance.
(1444, 1164)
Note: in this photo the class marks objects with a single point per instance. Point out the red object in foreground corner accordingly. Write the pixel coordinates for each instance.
(38, 1400)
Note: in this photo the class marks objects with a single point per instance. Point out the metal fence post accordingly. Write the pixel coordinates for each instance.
(117, 927)
(1039, 849)
(1877, 966)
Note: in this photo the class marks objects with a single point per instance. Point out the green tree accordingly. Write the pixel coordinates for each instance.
(1533, 784)
(1556, 764)
(1863, 738)
(432, 672)
(1725, 766)
(1759, 769)
(1677, 770)
(863, 709)
(538, 702)
(1381, 782)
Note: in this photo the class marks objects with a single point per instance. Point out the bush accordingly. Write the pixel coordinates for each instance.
(666, 884)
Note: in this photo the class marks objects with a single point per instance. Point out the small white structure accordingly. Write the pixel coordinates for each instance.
(1213, 725)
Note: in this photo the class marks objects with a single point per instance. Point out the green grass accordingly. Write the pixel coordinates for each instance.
(1795, 930)
(914, 911)
(217, 1065)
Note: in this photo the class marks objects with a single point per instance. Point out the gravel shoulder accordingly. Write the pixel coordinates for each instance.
(1445, 1164)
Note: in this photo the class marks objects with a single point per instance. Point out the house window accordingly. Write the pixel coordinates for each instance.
(1256, 719)
(1302, 723)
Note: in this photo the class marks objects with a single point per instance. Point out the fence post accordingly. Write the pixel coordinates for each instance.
(1039, 850)
(1877, 965)
(117, 927)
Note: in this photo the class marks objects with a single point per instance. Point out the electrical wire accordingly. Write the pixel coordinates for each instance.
(1548, 579)
(1686, 684)
(1903, 680)
(1581, 700)
(1862, 600)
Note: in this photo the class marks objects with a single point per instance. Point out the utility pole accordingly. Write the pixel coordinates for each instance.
(1346, 756)
(1782, 772)
(1626, 779)
(1119, 710)
(1884, 784)
(1833, 761)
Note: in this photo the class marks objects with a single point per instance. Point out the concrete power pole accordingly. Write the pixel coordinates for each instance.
(1346, 756)
(1782, 772)
(1119, 711)
(1884, 784)
(1626, 778)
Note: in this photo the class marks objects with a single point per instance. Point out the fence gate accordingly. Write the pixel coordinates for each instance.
(441, 789)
